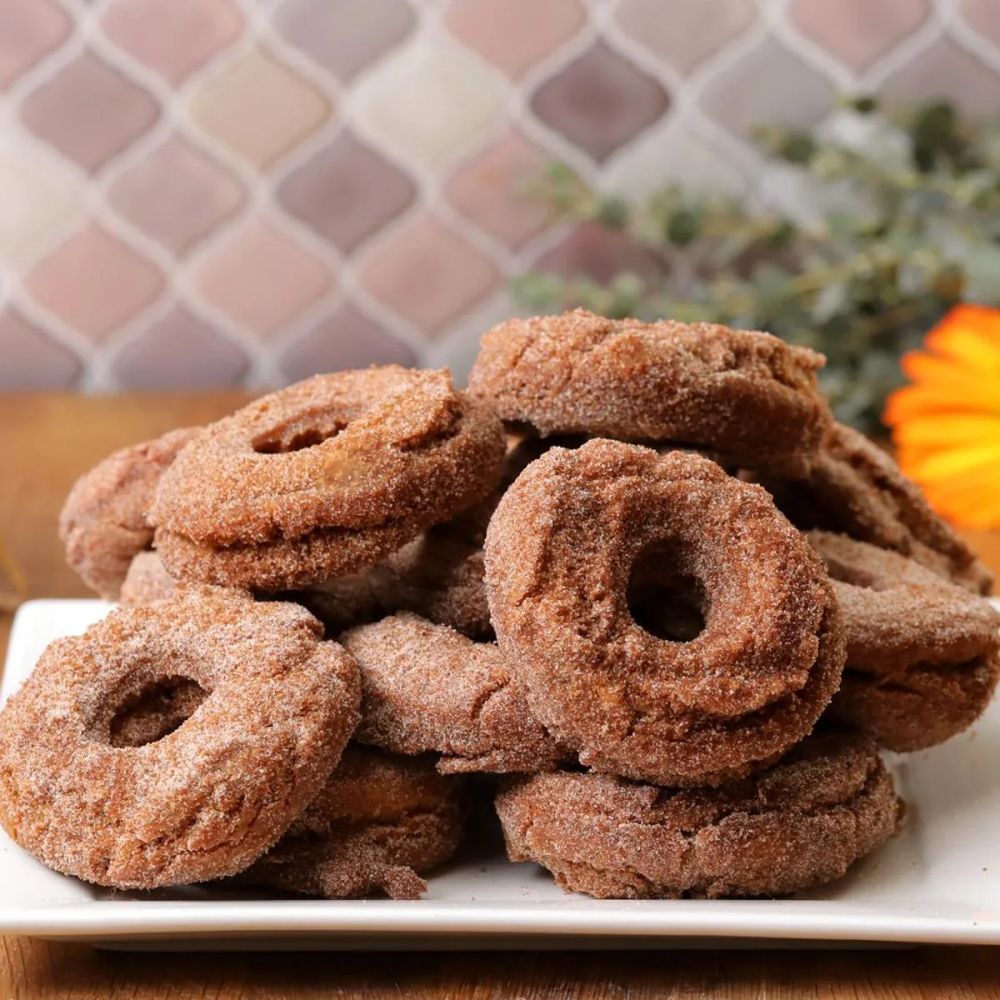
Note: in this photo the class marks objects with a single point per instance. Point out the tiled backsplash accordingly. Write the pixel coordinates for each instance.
(205, 192)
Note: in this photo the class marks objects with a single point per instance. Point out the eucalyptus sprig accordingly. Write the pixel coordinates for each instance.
(897, 218)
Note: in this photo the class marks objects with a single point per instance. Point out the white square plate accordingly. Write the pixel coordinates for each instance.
(938, 881)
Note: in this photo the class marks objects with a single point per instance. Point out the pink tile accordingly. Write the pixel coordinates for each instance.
(29, 31)
(590, 251)
(984, 16)
(262, 277)
(767, 85)
(345, 36)
(685, 32)
(94, 282)
(514, 34)
(858, 31)
(346, 339)
(347, 191)
(179, 351)
(89, 111)
(177, 194)
(946, 71)
(600, 101)
(172, 38)
(429, 274)
(31, 358)
(491, 190)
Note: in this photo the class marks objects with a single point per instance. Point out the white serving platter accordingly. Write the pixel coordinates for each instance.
(938, 881)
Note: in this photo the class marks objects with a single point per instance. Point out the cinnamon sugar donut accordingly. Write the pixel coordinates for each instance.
(324, 478)
(800, 824)
(380, 822)
(428, 688)
(103, 522)
(746, 394)
(212, 795)
(856, 488)
(146, 581)
(559, 553)
(923, 654)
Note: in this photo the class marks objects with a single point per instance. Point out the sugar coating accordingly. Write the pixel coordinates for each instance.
(559, 552)
(923, 654)
(380, 822)
(207, 799)
(146, 581)
(427, 688)
(856, 488)
(800, 824)
(746, 394)
(103, 522)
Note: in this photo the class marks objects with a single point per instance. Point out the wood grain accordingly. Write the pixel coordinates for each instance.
(46, 441)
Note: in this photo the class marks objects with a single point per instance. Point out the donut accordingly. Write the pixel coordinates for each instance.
(146, 581)
(559, 553)
(342, 602)
(856, 488)
(800, 824)
(276, 707)
(103, 522)
(746, 394)
(380, 822)
(923, 654)
(429, 688)
(324, 478)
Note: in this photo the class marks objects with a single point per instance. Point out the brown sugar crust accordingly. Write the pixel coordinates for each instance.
(856, 488)
(103, 522)
(146, 581)
(212, 795)
(380, 822)
(800, 824)
(923, 654)
(427, 688)
(559, 553)
(747, 394)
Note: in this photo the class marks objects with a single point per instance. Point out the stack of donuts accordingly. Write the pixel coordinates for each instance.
(636, 572)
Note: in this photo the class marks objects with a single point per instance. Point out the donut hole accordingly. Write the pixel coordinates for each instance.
(662, 599)
(286, 440)
(156, 710)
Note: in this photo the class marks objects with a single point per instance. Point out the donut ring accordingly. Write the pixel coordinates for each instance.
(800, 824)
(428, 688)
(747, 394)
(103, 522)
(380, 822)
(146, 582)
(923, 654)
(207, 799)
(559, 552)
(856, 488)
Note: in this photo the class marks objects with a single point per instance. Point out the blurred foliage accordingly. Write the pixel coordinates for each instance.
(863, 234)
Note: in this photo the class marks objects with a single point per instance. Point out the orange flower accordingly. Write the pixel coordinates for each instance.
(946, 424)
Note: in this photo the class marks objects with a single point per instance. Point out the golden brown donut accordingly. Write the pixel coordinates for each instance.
(380, 822)
(559, 554)
(746, 394)
(428, 688)
(209, 797)
(103, 522)
(146, 581)
(923, 654)
(857, 489)
(325, 478)
(800, 824)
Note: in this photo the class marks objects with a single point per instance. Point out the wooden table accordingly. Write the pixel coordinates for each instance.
(48, 440)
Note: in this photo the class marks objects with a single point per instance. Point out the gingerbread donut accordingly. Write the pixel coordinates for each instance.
(746, 394)
(923, 654)
(324, 478)
(429, 688)
(559, 554)
(103, 522)
(146, 581)
(800, 824)
(212, 795)
(856, 488)
(380, 822)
